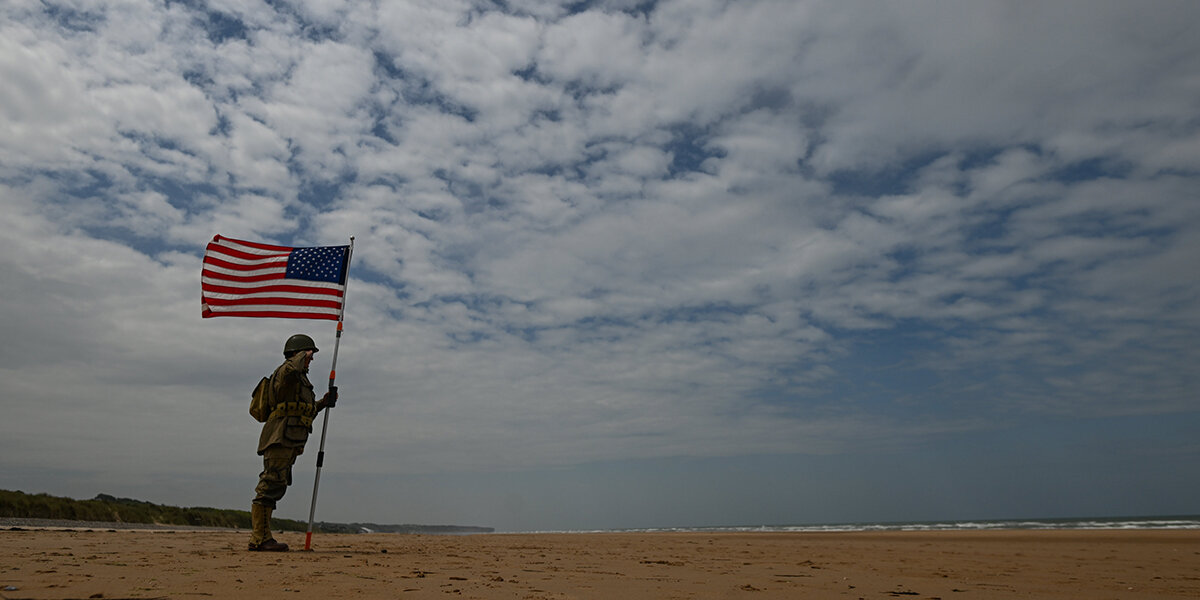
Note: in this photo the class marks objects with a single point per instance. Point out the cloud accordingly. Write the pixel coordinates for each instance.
(593, 50)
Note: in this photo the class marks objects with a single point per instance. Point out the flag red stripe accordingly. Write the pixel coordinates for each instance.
(272, 314)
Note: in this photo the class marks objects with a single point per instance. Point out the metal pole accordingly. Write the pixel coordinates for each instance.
(312, 509)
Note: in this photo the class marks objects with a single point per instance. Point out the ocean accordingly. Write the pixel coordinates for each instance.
(1168, 522)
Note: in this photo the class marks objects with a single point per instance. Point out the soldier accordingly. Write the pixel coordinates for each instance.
(292, 408)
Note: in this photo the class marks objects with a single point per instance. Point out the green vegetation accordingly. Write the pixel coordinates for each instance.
(126, 510)
(108, 509)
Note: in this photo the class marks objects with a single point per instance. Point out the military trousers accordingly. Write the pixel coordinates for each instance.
(276, 475)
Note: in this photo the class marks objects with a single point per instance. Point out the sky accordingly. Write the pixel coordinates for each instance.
(617, 264)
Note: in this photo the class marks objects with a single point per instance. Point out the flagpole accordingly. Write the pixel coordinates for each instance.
(312, 510)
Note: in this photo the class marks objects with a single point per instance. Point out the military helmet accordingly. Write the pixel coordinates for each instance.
(299, 343)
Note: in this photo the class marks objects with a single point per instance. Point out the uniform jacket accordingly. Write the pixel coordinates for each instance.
(289, 428)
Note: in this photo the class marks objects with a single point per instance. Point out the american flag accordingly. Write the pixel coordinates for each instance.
(248, 279)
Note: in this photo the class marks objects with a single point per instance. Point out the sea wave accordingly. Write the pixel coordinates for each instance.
(1183, 522)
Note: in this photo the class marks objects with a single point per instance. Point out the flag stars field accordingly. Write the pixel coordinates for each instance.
(317, 264)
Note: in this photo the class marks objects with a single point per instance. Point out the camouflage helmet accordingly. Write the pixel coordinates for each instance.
(299, 343)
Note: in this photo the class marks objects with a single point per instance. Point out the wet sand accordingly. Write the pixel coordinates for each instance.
(754, 566)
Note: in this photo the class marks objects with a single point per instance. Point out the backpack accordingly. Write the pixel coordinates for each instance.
(261, 401)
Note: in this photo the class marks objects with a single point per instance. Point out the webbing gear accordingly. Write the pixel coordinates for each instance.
(304, 410)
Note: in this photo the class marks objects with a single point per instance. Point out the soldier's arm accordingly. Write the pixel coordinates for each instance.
(292, 367)
(287, 377)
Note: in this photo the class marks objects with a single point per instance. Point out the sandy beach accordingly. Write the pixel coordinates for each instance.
(102, 563)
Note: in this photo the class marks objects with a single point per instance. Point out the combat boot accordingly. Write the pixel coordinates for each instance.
(269, 546)
(260, 536)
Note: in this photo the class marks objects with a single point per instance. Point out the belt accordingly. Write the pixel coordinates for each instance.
(304, 410)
